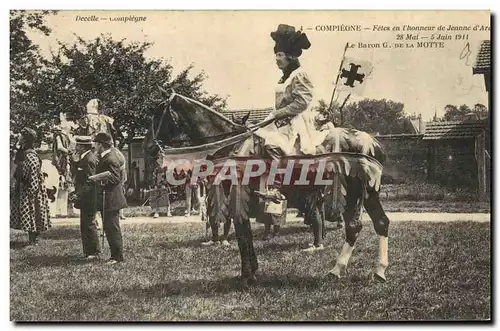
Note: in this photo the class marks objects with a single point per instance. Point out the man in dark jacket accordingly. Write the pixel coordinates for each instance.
(86, 196)
(114, 195)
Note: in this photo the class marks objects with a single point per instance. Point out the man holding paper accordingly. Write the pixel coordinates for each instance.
(108, 178)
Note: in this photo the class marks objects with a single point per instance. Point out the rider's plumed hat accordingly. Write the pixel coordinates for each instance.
(289, 41)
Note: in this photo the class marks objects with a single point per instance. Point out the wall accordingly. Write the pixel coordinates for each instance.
(406, 158)
(456, 165)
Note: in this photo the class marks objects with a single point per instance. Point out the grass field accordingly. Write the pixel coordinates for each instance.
(438, 271)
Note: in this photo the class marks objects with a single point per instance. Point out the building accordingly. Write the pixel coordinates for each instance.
(134, 154)
(457, 153)
(256, 115)
(482, 66)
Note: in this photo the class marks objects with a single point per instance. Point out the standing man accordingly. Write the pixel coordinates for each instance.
(86, 196)
(114, 196)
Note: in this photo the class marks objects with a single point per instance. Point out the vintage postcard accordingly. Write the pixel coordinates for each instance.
(250, 166)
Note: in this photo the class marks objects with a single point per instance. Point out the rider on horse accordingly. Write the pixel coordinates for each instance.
(93, 122)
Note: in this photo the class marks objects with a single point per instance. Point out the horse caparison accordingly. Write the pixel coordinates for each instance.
(186, 118)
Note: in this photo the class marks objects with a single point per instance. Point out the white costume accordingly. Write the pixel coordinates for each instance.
(295, 96)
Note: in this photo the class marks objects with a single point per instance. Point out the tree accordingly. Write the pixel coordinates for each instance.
(376, 116)
(25, 64)
(464, 112)
(481, 111)
(119, 75)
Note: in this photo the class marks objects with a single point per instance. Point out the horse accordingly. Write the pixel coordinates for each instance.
(180, 122)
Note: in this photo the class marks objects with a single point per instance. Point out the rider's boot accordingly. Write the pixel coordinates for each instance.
(275, 154)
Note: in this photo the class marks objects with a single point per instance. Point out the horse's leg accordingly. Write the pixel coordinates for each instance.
(353, 225)
(381, 224)
(240, 198)
(227, 227)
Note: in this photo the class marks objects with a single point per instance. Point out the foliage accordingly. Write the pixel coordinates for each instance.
(370, 115)
(116, 72)
(25, 66)
(464, 112)
(120, 76)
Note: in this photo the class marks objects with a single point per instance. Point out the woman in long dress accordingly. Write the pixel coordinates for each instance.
(29, 206)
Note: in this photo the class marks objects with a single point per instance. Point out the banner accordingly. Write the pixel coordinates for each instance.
(354, 75)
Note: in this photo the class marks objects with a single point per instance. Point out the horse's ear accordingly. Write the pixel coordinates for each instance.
(245, 118)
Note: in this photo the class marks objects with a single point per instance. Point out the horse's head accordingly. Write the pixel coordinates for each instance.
(179, 121)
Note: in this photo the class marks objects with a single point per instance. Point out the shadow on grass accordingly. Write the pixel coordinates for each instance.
(54, 260)
(202, 287)
(191, 243)
(61, 233)
(277, 246)
(18, 244)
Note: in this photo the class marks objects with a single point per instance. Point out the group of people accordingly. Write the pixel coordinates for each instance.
(105, 195)
(92, 154)
(162, 190)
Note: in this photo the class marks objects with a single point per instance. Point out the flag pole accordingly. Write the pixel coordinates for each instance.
(338, 75)
(341, 110)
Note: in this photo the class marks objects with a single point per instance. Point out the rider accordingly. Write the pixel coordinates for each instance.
(294, 131)
(93, 122)
(293, 103)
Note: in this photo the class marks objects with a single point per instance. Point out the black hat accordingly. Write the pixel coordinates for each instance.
(103, 137)
(84, 140)
(289, 41)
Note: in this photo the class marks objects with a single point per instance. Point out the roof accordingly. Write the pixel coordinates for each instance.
(483, 59)
(398, 136)
(453, 130)
(256, 115)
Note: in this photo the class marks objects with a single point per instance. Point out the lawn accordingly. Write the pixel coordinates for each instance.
(438, 271)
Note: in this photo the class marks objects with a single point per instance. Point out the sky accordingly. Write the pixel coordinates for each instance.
(235, 50)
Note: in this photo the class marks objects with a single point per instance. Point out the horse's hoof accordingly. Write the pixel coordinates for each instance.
(379, 276)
